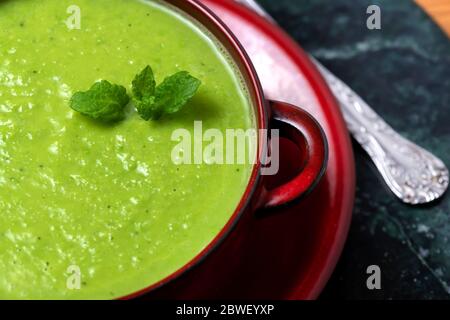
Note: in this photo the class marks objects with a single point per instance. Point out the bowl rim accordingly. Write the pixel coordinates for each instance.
(210, 21)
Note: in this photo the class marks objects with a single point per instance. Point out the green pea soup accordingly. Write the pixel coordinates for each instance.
(103, 206)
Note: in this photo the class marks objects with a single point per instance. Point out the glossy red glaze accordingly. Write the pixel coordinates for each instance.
(301, 128)
(275, 256)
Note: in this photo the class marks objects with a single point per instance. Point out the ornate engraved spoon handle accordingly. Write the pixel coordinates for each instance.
(413, 174)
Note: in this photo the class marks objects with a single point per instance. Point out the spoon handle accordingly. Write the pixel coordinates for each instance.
(413, 174)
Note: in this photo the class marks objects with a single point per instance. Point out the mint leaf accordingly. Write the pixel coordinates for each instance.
(168, 97)
(103, 101)
(175, 91)
(144, 84)
(146, 108)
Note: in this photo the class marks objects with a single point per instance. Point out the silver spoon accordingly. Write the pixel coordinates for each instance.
(413, 174)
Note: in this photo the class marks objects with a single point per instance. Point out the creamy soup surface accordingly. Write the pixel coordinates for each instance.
(105, 200)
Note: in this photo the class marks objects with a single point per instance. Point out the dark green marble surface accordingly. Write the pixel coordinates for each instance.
(403, 71)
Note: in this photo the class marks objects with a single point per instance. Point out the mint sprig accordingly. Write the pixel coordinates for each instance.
(152, 102)
(106, 102)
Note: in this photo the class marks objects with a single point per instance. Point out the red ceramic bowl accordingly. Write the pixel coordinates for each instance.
(221, 257)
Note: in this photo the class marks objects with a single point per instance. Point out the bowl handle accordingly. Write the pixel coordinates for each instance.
(301, 128)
